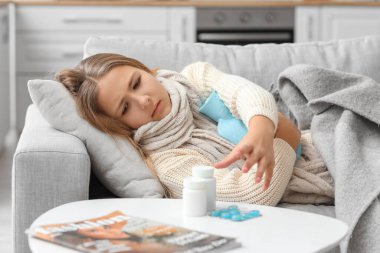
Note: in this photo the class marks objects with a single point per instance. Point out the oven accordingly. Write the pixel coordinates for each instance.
(241, 26)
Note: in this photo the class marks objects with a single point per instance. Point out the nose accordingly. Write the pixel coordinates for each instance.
(144, 101)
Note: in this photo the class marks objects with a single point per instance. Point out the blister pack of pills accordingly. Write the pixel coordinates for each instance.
(235, 214)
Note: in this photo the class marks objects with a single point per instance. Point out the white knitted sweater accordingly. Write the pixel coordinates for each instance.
(245, 100)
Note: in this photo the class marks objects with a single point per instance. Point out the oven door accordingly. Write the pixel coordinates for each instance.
(234, 37)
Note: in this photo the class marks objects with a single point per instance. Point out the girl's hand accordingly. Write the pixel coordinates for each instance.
(255, 147)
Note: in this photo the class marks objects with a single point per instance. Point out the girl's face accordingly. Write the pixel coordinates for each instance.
(133, 96)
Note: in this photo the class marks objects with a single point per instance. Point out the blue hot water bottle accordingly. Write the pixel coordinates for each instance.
(229, 127)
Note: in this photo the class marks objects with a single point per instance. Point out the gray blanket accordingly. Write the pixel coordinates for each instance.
(343, 112)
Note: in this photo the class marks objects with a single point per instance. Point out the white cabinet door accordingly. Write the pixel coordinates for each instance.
(52, 37)
(4, 75)
(49, 52)
(307, 23)
(91, 18)
(182, 24)
(340, 22)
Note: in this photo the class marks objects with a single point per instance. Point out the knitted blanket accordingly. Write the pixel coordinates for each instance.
(311, 182)
(343, 112)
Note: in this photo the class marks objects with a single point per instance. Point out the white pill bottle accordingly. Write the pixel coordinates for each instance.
(206, 174)
(194, 197)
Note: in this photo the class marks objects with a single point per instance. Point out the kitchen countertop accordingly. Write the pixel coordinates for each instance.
(195, 3)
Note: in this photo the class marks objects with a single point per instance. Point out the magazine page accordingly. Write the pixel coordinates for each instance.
(118, 232)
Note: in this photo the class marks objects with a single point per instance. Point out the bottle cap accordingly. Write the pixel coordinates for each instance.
(193, 183)
(203, 171)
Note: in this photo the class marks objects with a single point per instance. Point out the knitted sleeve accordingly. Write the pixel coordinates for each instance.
(174, 165)
(244, 98)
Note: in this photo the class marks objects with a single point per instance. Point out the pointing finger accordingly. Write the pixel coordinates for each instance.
(229, 159)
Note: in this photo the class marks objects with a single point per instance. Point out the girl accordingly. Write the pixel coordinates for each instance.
(158, 112)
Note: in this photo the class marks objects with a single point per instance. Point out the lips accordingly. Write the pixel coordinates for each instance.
(155, 108)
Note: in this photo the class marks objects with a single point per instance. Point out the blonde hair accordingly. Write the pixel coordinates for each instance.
(82, 82)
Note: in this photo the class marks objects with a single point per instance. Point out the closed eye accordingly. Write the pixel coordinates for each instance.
(136, 84)
(125, 109)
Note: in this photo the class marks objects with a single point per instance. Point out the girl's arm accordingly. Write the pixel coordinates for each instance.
(244, 98)
(288, 131)
(172, 166)
(250, 102)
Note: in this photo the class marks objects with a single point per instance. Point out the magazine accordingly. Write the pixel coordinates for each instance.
(118, 232)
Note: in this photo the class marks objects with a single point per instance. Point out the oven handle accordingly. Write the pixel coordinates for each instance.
(206, 36)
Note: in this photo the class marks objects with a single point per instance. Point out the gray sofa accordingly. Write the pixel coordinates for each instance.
(51, 168)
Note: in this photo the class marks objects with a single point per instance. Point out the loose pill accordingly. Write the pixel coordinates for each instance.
(254, 213)
(237, 217)
(226, 216)
(233, 212)
(215, 213)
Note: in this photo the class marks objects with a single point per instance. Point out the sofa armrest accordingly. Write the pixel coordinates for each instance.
(50, 168)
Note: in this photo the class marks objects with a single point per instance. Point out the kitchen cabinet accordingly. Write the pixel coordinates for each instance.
(4, 75)
(340, 22)
(49, 38)
(306, 23)
(182, 24)
(335, 22)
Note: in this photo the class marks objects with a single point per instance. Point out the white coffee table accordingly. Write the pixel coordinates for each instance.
(277, 230)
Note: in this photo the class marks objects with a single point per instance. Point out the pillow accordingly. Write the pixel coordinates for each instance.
(114, 161)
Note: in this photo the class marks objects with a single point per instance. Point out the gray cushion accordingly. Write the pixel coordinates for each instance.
(115, 163)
